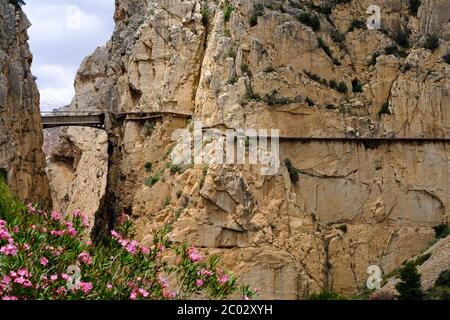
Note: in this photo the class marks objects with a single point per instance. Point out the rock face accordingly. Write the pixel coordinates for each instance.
(251, 64)
(77, 170)
(21, 138)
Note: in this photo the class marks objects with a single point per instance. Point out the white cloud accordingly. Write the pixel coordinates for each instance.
(62, 34)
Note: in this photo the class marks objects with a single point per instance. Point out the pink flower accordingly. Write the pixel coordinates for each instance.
(31, 209)
(61, 291)
(145, 250)
(23, 273)
(133, 295)
(9, 250)
(131, 247)
(57, 233)
(85, 220)
(86, 287)
(65, 276)
(194, 255)
(4, 234)
(109, 286)
(54, 277)
(43, 261)
(26, 247)
(23, 281)
(9, 298)
(115, 234)
(70, 229)
(199, 282)
(143, 293)
(6, 280)
(16, 229)
(223, 279)
(76, 213)
(168, 294)
(56, 215)
(85, 258)
(205, 272)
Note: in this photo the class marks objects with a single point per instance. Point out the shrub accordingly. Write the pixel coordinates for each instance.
(384, 109)
(342, 87)
(326, 295)
(356, 86)
(227, 12)
(253, 21)
(245, 68)
(409, 287)
(414, 6)
(174, 168)
(232, 80)
(310, 101)
(324, 47)
(309, 20)
(337, 36)
(332, 84)
(166, 202)
(250, 95)
(441, 231)
(231, 52)
(51, 260)
(431, 42)
(443, 279)
(3, 174)
(17, 3)
(293, 173)
(391, 49)
(148, 167)
(357, 24)
(151, 181)
(382, 295)
(402, 39)
(205, 16)
(446, 58)
(406, 67)
(373, 61)
(421, 259)
(438, 293)
(258, 11)
(315, 22)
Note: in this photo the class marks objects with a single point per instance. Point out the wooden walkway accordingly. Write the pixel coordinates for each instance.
(97, 119)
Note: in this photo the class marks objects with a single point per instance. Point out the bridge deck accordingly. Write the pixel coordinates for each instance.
(51, 121)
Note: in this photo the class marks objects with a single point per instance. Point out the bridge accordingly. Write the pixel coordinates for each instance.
(72, 118)
(96, 119)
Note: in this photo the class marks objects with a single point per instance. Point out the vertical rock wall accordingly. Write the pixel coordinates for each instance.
(21, 157)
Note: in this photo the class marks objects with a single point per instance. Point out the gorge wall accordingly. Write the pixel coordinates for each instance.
(21, 158)
(265, 64)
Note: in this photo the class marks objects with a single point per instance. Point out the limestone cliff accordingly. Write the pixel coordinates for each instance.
(310, 69)
(21, 157)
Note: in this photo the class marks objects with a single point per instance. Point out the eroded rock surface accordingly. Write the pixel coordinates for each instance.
(356, 203)
(22, 160)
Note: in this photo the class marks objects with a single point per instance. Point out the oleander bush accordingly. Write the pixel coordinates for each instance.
(44, 255)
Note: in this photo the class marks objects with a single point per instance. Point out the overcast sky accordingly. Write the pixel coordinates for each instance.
(62, 34)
